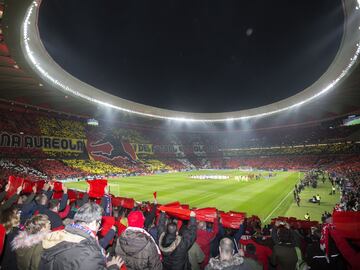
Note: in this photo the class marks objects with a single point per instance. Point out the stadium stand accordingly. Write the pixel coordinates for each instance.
(121, 151)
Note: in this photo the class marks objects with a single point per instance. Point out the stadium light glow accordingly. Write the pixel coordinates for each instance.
(32, 43)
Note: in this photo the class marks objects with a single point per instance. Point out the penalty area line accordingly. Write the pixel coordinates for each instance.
(280, 203)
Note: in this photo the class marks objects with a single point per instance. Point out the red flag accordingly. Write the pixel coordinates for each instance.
(120, 227)
(106, 222)
(72, 195)
(177, 212)
(58, 186)
(208, 214)
(128, 203)
(57, 195)
(39, 185)
(14, 183)
(232, 220)
(97, 187)
(155, 194)
(116, 201)
(172, 204)
(27, 186)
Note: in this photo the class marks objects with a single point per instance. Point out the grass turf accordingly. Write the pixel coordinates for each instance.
(266, 198)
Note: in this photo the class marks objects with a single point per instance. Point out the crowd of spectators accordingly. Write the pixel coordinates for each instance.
(94, 167)
(57, 169)
(62, 128)
(40, 232)
(19, 168)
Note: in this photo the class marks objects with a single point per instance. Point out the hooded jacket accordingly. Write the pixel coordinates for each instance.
(73, 249)
(175, 248)
(138, 250)
(28, 249)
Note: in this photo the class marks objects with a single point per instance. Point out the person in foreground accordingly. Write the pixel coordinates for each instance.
(77, 247)
(227, 260)
(28, 243)
(137, 247)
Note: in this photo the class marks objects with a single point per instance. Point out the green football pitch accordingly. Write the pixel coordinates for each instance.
(267, 197)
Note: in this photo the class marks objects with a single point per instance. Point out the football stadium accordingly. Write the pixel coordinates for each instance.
(179, 135)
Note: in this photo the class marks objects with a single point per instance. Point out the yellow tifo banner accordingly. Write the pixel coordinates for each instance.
(55, 144)
(143, 148)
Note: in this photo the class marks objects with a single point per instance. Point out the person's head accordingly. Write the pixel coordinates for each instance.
(37, 224)
(201, 225)
(226, 249)
(89, 214)
(54, 205)
(171, 228)
(41, 199)
(250, 249)
(10, 218)
(136, 219)
(22, 199)
(170, 235)
(284, 235)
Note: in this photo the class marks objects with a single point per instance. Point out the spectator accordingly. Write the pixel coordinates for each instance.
(196, 256)
(251, 258)
(76, 247)
(204, 238)
(227, 259)
(284, 255)
(136, 246)
(27, 244)
(175, 246)
(10, 219)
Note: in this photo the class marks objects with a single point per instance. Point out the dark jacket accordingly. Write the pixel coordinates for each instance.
(8, 258)
(28, 249)
(138, 249)
(284, 257)
(317, 259)
(176, 254)
(73, 249)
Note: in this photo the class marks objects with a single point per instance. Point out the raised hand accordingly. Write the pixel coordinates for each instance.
(115, 261)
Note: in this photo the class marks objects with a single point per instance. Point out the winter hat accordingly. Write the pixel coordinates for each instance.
(136, 219)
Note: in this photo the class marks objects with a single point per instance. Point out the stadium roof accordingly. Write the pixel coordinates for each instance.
(47, 85)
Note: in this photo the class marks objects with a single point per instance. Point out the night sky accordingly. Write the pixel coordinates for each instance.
(194, 55)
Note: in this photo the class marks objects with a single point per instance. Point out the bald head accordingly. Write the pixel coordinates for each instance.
(201, 225)
(226, 248)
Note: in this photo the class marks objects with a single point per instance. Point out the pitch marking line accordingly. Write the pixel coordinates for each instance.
(203, 197)
(280, 203)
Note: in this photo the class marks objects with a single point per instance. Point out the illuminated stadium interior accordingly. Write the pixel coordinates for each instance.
(83, 171)
(53, 74)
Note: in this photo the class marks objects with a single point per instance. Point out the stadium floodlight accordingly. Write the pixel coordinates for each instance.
(40, 61)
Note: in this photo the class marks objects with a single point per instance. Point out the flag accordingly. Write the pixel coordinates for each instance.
(39, 185)
(72, 195)
(14, 183)
(58, 186)
(155, 194)
(97, 187)
(106, 223)
(208, 214)
(176, 211)
(232, 220)
(27, 186)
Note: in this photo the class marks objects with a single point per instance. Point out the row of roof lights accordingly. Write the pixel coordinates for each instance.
(51, 78)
